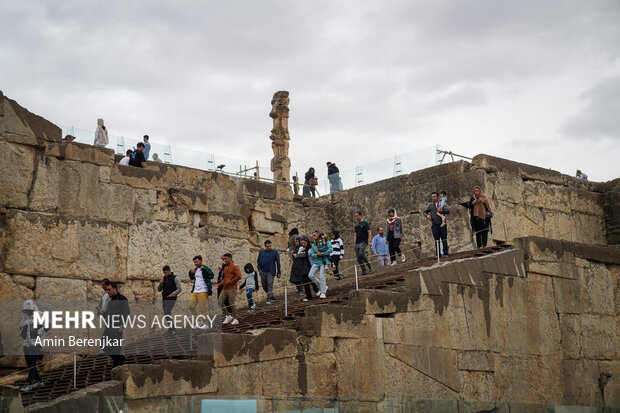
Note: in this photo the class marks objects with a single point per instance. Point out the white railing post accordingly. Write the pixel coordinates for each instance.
(356, 282)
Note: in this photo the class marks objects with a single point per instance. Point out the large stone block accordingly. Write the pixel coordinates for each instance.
(344, 321)
(360, 369)
(18, 123)
(11, 289)
(81, 152)
(379, 302)
(529, 379)
(580, 382)
(17, 165)
(166, 378)
(268, 344)
(286, 382)
(58, 289)
(44, 194)
(65, 247)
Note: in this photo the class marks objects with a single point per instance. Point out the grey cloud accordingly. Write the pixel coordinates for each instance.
(600, 116)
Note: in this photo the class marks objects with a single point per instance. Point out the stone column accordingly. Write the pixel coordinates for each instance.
(280, 163)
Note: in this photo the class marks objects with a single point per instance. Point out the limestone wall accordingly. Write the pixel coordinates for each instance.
(529, 200)
(519, 330)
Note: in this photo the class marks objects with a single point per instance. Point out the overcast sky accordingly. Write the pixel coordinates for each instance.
(533, 81)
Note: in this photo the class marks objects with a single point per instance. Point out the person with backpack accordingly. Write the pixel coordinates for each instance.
(202, 288)
(137, 157)
(250, 284)
(395, 235)
(480, 216)
(170, 287)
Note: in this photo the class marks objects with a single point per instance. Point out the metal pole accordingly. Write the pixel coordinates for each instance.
(356, 283)
(148, 335)
(505, 232)
(571, 237)
(285, 301)
(191, 344)
(438, 252)
(74, 371)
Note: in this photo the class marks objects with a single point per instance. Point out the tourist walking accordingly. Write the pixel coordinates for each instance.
(361, 240)
(137, 157)
(333, 176)
(395, 235)
(101, 134)
(296, 278)
(337, 253)
(379, 247)
(480, 216)
(231, 275)
(440, 233)
(147, 146)
(29, 334)
(170, 288)
(201, 289)
(301, 268)
(105, 298)
(126, 158)
(116, 314)
(250, 284)
(320, 252)
(310, 183)
(268, 264)
(292, 236)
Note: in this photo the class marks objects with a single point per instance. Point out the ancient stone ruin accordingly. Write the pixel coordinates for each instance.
(528, 324)
(280, 163)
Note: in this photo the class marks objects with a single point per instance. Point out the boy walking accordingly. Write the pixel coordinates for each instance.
(361, 239)
(231, 274)
(202, 288)
(170, 287)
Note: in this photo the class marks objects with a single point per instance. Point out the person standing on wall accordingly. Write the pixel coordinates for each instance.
(170, 287)
(333, 175)
(268, 264)
(231, 276)
(361, 240)
(480, 212)
(379, 247)
(101, 134)
(147, 146)
(310, 183)
(395, 235)
(439, 233)
(202, 288)
(117, 312)
(137, 157)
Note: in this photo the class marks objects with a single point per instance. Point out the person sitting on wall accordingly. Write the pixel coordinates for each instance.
(125, 160)
(137, 157)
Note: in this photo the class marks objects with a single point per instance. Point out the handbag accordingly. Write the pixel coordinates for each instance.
(314, 181)
(489, 214)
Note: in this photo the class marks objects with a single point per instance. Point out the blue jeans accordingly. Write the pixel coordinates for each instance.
(322, 283)
(248, 293)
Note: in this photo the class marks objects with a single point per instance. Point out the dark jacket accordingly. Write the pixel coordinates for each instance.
(332, 169)
(472, 218)
(267, 261)
(432, 209)
(117, 311)
(170, 285)
(301, 266)
(205, 270)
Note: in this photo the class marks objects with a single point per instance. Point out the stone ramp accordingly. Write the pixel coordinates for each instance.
(96, 369)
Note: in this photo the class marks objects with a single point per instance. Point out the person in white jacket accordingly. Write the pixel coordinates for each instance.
(101, 134)
(32, 347)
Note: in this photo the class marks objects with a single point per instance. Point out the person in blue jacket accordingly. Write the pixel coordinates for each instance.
(320, 252)
(268, 264)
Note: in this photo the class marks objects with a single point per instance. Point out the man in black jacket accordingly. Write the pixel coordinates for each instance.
(170, 287)
(439, 232)
(333, 175)
(116, 315)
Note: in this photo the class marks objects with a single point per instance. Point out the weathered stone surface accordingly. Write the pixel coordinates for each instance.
(476, 361)
(166, 378)
(580, 383)
(529, 379)
(81, 152)
(108, 394)
(44, 193)
(379, 302)
(268, 344)
(440, 364)
(17, 165)
(280, 163)
(366, 377)
(339, 321)
(57, 288)
(66, 247)
(11, 288)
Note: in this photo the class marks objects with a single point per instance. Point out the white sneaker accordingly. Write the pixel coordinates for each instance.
(37, 385)
(305, 299)
(26, 387)
(326, 287)
(322, 296)
(393, 263)
(235, 321)
(227, 320)
(402, 257)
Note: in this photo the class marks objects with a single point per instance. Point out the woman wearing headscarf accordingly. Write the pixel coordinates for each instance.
(395, 235)
(480, 218)
(301, 268)
(310, 182)
(101, 134)
(31, 344)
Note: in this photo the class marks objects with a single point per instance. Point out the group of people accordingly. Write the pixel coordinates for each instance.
(311, 181)
(138, 156)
